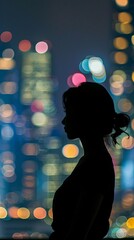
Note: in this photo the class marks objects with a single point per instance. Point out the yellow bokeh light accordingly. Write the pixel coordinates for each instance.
(50, 169)
(130, 222)
(120, 43)
(122, 3)
(68, 167)
(126, 28)
(124, 17)
(39, 119)
(132, 39)
(6, 64)
(133, 76)
(3, 212)
(70, 151)
(116, 78)
(23, 213)
(50, 213)
(120, 57)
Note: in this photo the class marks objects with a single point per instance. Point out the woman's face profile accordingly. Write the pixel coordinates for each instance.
(71, 125)
(75, 123)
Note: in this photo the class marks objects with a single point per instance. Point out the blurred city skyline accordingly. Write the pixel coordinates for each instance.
(35, 154)
(74, 28)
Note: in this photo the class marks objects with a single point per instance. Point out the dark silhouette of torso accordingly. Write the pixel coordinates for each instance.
(89, 177)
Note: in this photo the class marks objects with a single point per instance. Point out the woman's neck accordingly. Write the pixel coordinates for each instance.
(92, 145)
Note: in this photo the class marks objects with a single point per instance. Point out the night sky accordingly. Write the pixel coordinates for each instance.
(76, 29)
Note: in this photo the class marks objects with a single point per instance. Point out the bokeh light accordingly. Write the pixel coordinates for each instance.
(70, 151)
(130, 222)
(12, 212)
(37, 106)
(8, 53)
(6, 36)
(3, 212)
(50, 213)
(127, 142)
(120, 57)
(30, 149)
(35, 157)
(125, 17)
(39, 213)
(51, 169)
(7, 64)
(84, 67)
(24, 45)
(8, 87)
(121, 220)
(41, 47)
(23, 213)
(120, 43)
(122, 3)
(7, 132)
(39, 119)
(96, 66)
(78, 78)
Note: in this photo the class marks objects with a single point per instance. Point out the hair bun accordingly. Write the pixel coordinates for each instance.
(121, 120)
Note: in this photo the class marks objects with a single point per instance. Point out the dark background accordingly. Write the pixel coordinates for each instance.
(76, 28)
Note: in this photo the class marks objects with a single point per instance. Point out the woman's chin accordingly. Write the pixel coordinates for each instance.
(71, 136)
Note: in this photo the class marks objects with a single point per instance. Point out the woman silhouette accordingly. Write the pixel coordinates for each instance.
(82, 204)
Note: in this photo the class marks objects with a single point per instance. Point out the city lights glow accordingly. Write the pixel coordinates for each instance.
(3, 212)
(120, 57)
(24, 45)
(8, 53)
(39, 119)
(125, 17)
(120, 43)
(83, 66)
(127, 142)
(6, 36)
(8, 88)
(70, 151)
(121, 3)
(6, 64)
(93, 65)
(37, 106)
(96, 66)
(41, 47)
(78, 78)
(23, 213)
(35, 157)
(39, 213)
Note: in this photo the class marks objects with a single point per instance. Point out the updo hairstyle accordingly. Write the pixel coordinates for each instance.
(91, 104)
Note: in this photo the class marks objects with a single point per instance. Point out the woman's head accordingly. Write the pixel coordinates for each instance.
(90, 110)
